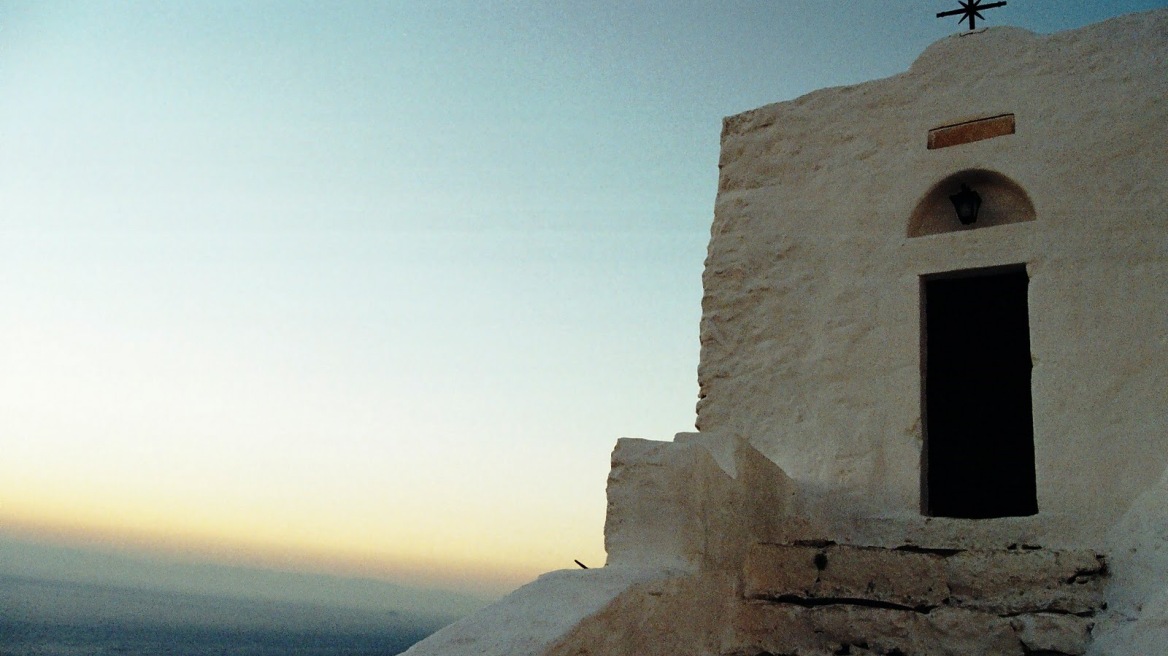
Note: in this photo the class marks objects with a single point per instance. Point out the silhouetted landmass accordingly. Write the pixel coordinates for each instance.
(31, 559)
(49, 617)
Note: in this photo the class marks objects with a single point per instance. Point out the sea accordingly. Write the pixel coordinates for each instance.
(51, 618)
(25, 639)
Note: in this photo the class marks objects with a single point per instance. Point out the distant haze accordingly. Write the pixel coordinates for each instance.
(22, 560)
(371, 288)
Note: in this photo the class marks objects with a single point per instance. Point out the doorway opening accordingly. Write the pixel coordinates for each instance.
(978, 458)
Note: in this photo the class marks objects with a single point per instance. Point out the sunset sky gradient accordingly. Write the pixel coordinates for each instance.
(372, 289)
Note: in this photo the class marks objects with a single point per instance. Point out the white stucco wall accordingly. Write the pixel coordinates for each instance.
(811, 351)
(811, 315)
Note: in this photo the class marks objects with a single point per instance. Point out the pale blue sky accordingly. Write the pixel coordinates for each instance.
(373, 288)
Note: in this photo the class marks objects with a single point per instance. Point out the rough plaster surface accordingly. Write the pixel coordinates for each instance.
(811, 320)
(1139, 597)
(697, 502)
(684, 615)
(527, 621)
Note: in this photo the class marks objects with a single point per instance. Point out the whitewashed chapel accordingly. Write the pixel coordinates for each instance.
(934, 379)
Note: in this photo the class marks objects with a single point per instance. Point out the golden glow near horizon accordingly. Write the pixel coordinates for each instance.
(347, 452)
(371, 287)
(473, 557)
(265, 474)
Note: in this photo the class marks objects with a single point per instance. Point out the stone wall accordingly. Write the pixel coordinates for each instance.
(829, 599)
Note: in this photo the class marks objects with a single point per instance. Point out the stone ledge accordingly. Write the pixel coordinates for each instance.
(766, 628)
(1026, 581)
(902, 578)
(1003, 582)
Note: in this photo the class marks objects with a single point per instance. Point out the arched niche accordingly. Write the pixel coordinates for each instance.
(1002, 201)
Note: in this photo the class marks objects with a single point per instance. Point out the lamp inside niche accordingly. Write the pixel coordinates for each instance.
(966, 202)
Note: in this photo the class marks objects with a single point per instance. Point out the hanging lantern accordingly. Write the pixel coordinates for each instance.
(966, 202)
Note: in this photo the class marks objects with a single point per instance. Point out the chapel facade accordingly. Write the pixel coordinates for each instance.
(933, 413)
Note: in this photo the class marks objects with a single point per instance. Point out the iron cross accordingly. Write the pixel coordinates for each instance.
(969, 10)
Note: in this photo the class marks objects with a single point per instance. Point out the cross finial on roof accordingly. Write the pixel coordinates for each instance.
(969, 10)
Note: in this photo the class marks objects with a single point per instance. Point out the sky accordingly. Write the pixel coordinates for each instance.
(371, 289)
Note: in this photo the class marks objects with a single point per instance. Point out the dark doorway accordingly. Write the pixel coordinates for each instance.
(978, 459)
